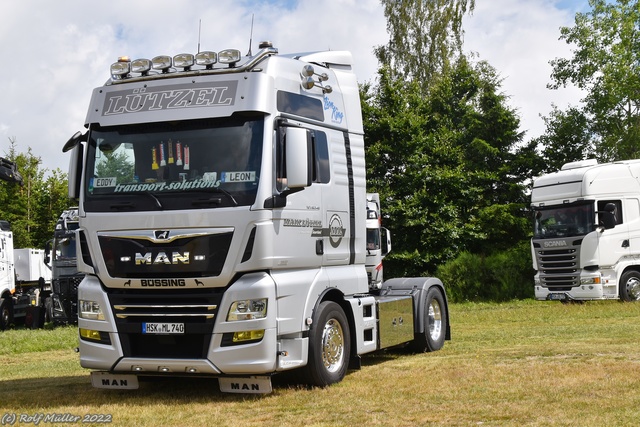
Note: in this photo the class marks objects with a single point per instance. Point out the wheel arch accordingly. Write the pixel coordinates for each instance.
(335, 295)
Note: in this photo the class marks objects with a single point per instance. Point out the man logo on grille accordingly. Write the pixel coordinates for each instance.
(162, 234)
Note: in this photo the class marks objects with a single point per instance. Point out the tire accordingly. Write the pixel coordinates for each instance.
(329, 346)
(48, 310)
(5, 314)
(435, 323)
(630, 286)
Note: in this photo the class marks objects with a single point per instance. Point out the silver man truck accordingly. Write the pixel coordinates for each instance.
(586, 242)
(222, 225)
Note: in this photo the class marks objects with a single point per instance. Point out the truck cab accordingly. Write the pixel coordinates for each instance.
(60, 255)
(586, 226)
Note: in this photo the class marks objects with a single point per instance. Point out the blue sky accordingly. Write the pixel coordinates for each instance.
(60, 51)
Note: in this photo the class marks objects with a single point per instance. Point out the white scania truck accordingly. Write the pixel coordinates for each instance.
(586, 243)
(223, 225)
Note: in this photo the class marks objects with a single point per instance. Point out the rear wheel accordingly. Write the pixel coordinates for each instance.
(630, 286)
(329, 346)
(435, 323)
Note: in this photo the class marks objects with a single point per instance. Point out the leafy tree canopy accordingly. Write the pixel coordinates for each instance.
(606, 65)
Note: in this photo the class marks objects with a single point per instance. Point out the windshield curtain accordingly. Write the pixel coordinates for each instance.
(174, 165)
(576, 219)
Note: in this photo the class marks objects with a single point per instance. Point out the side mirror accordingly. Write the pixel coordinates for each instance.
(607, 217)
(385, 241)
(75, 163)
(298, 152)
(47, 253)
(75, 171)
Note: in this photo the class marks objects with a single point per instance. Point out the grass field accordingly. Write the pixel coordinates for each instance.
(511, 364)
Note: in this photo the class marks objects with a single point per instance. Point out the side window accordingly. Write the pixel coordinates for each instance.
(321, 172)
(606, 206)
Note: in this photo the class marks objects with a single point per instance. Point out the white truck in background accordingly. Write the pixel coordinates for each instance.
(586, 243)
(25, 280)
(222, 230)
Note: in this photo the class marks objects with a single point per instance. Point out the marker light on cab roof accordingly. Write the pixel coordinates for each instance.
(183, 60)
(161, 63)
(229, 56)
(140, 66)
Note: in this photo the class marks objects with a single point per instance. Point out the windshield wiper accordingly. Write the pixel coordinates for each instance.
(121, 206)
(215, 200)
(153, 196)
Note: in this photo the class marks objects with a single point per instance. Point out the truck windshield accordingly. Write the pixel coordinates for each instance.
(65, 248)
(564, 220)
(174, 165)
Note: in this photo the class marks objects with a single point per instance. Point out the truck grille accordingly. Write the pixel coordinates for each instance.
(67, 285)
(559, 267)
(196, 310)
(186, 256)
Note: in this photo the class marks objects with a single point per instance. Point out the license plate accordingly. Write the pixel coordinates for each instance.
(162, 328)
(557, 297)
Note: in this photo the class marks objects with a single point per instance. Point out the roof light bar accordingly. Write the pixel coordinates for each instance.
(185, 62)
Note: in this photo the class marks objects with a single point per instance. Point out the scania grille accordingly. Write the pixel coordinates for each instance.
(195, 310)
(558, 268)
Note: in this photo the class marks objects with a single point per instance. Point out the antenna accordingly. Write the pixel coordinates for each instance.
(250, 36)
(199, 32)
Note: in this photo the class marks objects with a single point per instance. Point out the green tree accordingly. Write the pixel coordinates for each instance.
(567, 138)
(445, 166)
(51, 200)
(33, 208)
(424, 36)
(606, 65)
(116, 164)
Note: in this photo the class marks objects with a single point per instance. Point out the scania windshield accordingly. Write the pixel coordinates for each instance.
(174, 165)
(576, 219)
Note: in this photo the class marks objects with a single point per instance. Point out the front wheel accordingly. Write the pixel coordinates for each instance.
(5, 313)
(435, 323)
(630, 286)
(329, 346)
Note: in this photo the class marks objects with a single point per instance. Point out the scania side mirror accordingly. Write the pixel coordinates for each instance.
(299, 164)
(608, 216)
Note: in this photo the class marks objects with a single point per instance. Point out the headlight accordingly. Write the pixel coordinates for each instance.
(248, 309)
(90, 310)
(590, 281)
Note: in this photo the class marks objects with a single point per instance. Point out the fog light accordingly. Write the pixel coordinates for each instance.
(248, 335)
(90, 334)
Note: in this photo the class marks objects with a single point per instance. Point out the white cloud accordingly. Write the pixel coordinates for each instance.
(519, 38)
(55, 53)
